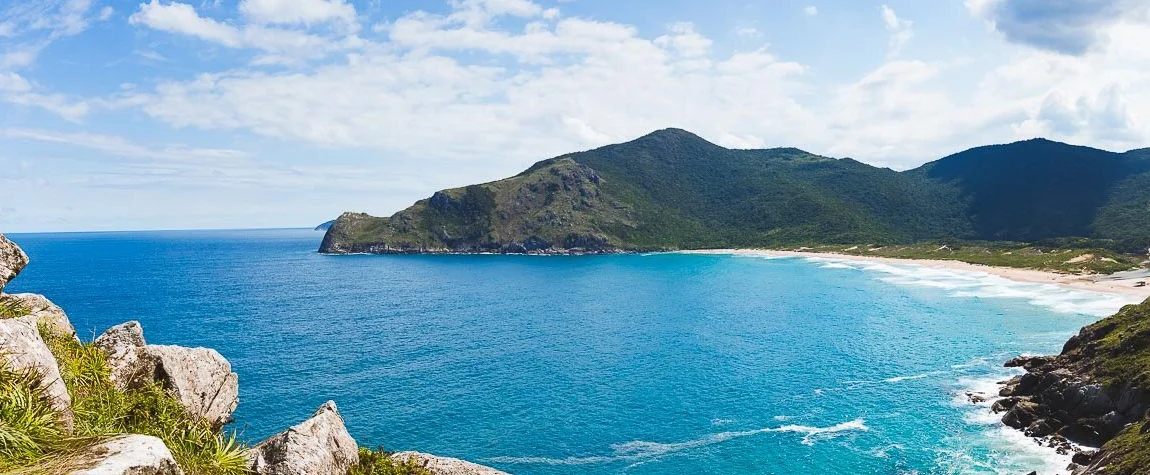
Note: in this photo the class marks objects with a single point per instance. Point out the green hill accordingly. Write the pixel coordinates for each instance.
(673, 190)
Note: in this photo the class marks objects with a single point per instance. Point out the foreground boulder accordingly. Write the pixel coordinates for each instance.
(24, 350)
(200, 378)
(317, 446)
(124, 346)
(12, 260)
(126, 455)
(444, 465)
(45, 312)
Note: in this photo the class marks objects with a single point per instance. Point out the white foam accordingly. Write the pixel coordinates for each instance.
(1012, 451)
(973, 284)
(641, 450)
(897, 379)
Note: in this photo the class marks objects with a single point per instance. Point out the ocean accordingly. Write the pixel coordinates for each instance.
(620, 364)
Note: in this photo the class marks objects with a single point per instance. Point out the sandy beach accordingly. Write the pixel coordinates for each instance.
(1115, 283)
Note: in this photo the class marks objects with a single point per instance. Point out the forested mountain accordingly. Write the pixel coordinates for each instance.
(674, 190)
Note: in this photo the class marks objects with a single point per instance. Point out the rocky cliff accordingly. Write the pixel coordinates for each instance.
(1095, 393)
(121, 406)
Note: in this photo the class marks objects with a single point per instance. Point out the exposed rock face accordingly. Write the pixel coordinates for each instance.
(23, 349)
(317, 446)
(557, 207)
(46, 312)
(12, 260)
(200, 378)
(130, 364)
(1089, 394)
(445, 465)
(127, 455)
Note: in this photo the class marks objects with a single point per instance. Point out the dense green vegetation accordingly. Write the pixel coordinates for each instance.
(673, 190)
(1068, 259)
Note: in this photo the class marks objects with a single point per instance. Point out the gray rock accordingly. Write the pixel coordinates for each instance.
(12, 260)
(132, 454)
(45, 312)
(128, 361)
(23, 349)
(200, 378)
(444, 465)
(317, 446)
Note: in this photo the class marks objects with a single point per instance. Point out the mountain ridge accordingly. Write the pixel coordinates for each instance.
(671, 189)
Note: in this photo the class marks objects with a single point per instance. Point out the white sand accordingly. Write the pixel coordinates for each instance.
(1097, 283)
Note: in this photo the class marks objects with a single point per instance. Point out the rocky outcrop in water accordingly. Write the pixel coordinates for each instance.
(1094, 393)
(131, 454)
(317, 446)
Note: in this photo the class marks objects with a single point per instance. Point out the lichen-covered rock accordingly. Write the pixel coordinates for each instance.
(23, 349)
(317, 446)
(200, 378)
(126, 455)
(444, 465)
(12, 260)
(128, 361)
(45, 312)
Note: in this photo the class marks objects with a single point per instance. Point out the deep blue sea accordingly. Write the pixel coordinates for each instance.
(627, 364)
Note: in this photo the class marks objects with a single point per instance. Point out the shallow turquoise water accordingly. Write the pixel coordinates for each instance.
(658, 364)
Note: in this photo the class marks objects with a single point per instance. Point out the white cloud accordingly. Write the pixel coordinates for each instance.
(901, 31)
(747, 32)
(182, 18)
(298, 11)
(121, 147)
(278, 45)
(811, 10)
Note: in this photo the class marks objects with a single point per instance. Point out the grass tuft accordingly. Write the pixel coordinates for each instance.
(29, 429)
(379, 462)
(11, 308)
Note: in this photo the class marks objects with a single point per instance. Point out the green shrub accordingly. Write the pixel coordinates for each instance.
(379, 462)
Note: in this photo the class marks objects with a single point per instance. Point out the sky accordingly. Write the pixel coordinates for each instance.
(121, 115)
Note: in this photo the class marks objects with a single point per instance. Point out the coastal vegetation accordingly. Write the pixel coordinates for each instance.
(672, 190)
(1066, 260)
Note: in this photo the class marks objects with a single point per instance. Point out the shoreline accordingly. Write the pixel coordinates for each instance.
(1110, 284)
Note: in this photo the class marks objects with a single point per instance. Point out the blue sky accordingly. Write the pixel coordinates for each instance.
(270, 113)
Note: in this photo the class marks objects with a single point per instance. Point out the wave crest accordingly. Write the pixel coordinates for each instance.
(637, 450)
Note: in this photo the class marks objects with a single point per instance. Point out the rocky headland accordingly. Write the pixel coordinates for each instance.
(1092, 399)
(73, 407)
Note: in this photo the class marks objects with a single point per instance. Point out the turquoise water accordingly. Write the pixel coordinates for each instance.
(657, 364)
